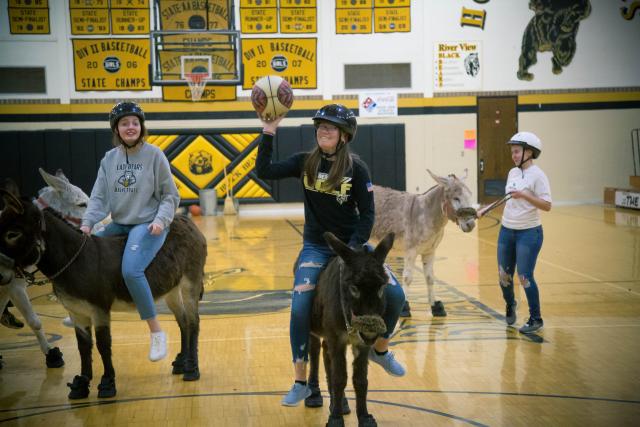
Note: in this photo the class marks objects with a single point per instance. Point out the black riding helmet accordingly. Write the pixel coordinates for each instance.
(125, 108)
(340, 116)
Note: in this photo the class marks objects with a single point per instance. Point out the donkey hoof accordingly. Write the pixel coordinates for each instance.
(335, 421)
(178, 365)
(79, 387)
(54, 358)
(315, 400)
(191, 371)
(367, 420)
(107, 387)
(406, 310)
(437, 309)
(345, 407)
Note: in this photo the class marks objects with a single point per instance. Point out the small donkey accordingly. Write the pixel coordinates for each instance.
(347, 309)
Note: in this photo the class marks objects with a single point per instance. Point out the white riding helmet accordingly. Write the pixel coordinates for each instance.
(527, 140)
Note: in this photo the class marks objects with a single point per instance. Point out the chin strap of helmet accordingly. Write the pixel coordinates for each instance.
(128, 147)
(339, 147)
(522, 159)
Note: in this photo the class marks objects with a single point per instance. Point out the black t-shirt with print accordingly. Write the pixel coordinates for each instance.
(347, 211)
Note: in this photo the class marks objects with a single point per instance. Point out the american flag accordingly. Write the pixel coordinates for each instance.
(369, 186)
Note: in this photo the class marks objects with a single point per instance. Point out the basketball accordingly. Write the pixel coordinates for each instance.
(272, 97)
(195, 210)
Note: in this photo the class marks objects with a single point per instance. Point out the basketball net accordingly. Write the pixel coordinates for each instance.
(197, 82)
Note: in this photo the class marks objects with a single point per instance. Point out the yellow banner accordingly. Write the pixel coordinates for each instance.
(297, 3)
(209, 94)
(392, 3)
(258, 20)
(298, 20)
(130, 21)
(29, 3)
(111, 64)
(353, 21)
(28, 21)
(222, 63)
(185, 15)
(89, 21)
(292, 59)
(258, 3)
(354, 4)
(129, 4)
(392, 20)
(82, 4)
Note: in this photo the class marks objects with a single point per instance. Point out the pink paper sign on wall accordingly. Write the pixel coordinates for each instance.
(470, 140)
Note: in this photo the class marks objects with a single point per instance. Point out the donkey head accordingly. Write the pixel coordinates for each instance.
(363, 279)
(457, 201)
(63, 197)
(21, 225)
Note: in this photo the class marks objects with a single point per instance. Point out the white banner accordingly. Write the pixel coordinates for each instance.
(457, 66)
(628, 199)
(378, 104)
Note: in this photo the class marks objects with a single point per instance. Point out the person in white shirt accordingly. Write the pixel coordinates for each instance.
(521, 236)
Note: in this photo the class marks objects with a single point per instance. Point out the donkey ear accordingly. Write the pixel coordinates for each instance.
(382, 250)
(11, 202)
(439, 179)
(10, 186)
(54, 181)
(342, 250)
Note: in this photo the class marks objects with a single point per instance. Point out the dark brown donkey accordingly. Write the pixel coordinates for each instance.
(87, 279)
(347, 309)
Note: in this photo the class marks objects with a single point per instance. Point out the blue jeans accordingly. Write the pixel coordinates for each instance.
(140, 249)
(312, 259)
(520, 248)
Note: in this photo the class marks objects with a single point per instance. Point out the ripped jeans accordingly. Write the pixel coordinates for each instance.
(312, 259)
(139, 251)
(520, 248)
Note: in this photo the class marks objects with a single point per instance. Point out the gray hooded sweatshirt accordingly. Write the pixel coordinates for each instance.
(139, 191)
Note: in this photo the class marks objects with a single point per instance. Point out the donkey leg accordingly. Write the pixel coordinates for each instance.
(407, 277)
(102, 322)
(338, 374)
(191, 297)
(437, 307)
(315, 400)
(80, 385)
(18, 294)
(176, 305)
(361, 385)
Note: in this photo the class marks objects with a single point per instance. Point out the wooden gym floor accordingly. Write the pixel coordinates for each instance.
(582, 369)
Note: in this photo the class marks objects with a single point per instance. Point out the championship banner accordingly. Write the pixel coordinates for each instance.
(31, 19)
(111, 64)
(258, 20)
(211, 93)
(392, 3)
(130, 21)
(258, 3)
(295, 20)
(292, 59)
(392, 19)
(84, 4)
(89, 21)
(353, 21)
(130, 4)
(38, 4)
(185, 15)
(297, 3)
(354, 4)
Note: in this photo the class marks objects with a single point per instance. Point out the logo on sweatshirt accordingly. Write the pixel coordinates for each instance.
(127, 180)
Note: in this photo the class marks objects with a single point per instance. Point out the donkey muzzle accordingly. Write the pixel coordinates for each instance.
(369, 327)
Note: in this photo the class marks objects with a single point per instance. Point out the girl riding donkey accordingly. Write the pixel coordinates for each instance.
(136, 187)
(337, 198)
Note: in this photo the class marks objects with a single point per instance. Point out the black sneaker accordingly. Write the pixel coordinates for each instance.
(532, 326)
(512, 314)
(10, 321)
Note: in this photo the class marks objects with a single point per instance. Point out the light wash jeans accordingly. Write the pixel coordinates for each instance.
(140, 249)
(520, 248)
(312, 259)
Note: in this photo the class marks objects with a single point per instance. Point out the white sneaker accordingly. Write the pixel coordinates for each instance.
(158, 350)
(68, 322)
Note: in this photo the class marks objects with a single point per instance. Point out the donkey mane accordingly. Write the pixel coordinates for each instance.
(58, 215)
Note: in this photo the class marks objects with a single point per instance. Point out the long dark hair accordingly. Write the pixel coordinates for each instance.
(339, 167)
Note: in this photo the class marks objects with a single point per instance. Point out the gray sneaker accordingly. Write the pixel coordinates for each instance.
(532, 326)
(511, 315)
(296, 395)
(388, 362)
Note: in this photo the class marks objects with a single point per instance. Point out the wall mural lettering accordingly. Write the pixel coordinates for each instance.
(553, 28)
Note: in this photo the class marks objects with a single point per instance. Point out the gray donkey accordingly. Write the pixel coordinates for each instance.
(86, 276)
(347, 309)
